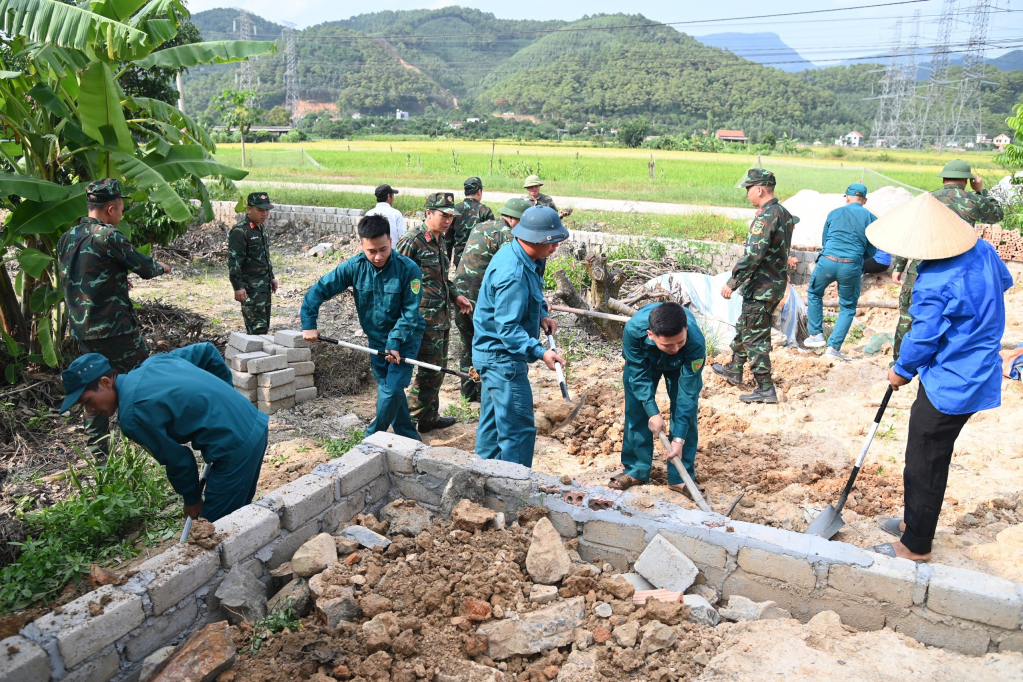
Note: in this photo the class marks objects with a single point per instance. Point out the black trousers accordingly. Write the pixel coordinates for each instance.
(932, 437)
(872, 267)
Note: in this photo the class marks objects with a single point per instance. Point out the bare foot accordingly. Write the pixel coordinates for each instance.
(903, 552)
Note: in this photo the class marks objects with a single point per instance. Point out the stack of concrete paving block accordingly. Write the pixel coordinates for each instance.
(290, 344)
(264, 378)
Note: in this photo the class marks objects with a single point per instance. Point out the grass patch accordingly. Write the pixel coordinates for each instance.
(709, 226)
(336, 447)
(463, 411)
(112, 506)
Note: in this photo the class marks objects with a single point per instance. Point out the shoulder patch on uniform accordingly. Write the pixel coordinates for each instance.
(417, 285)
(757, 227)
(429, 236)
(698, 365)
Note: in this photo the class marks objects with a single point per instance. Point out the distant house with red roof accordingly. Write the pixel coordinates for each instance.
(731, 136)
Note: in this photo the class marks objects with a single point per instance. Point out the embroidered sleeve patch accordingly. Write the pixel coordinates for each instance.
(758, 227)
(697, 365)
(416, 286)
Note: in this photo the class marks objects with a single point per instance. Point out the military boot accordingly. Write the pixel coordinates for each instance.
(732, 376)
(761, 395)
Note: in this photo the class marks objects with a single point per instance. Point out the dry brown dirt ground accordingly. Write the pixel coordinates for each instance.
(791, 459)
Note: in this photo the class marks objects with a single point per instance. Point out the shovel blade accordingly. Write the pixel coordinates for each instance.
(827, 523)
(572, 415)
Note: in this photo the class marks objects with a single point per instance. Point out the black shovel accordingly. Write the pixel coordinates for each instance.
(830, 521)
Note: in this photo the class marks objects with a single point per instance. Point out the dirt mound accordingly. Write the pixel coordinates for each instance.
(597, 429)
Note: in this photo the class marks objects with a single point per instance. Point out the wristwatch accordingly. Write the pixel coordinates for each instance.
(678, 440)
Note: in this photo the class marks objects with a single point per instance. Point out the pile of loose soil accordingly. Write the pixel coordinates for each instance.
(596, 430)
(438, 588)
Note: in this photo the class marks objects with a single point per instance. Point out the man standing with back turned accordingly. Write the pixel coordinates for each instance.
(94, 259)
(248, 264)
(471, 212)
(845, 247)
(762, 272)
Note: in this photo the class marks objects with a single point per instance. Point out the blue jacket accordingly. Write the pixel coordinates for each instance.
(187, 396)
(387, 299)
(882, 257)
(958, 320)
(509, 309)
(645, 363)
(845, 233)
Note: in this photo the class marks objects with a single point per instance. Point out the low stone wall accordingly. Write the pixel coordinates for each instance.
(107, 633)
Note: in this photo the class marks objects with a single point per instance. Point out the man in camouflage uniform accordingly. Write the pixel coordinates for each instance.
(470, 213)
(248, 264)
(974, 207)
(94, 259)
(484, 241)
(535, 196)
(425, 246)
(762, 272)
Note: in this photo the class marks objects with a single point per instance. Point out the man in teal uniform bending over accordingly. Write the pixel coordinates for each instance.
(185, 396)
(388, 288)
(662, 339)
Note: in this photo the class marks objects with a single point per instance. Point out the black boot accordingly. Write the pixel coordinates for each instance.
(761, 395)
(439, 423)
(734, 377)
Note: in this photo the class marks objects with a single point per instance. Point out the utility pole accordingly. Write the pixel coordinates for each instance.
(966, 112)
(244, 30)
(887, 121)
(290, 70)
(935, 122)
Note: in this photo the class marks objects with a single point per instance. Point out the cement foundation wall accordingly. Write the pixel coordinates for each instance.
(171, 595)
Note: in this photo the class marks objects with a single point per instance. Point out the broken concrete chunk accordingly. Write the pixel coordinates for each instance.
(634, 579)
(295, 596)
(705, 591)
(203, 656)
(242, 596)
(665, 566)
(543, 594)
(406, 517)
(154, 659)
(451, 670)
(700, 610)
(365, 537)
(657, 636)
(314, 556)
(463, 485)
(547, 561)
(603, 610)
(345, 545)
(541, 630)
(625, 634)
(740, 608)
(339, 609)
(471, 517)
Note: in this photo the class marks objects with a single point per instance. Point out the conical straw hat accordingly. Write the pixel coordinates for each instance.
(922, 229)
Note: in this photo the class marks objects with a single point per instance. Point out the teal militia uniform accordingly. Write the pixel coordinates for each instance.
(506, 339)
(645, 364)
(973, 207)
(845, 247)
(249, 266)
(387, 300)
(188, 396)
(94, 260)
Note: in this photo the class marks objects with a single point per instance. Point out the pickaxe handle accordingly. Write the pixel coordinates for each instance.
(690, 483)
(202, 486)
(560, 371)
(414, 363)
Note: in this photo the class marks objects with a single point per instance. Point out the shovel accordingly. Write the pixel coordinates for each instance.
(690, 483)
(830, 521)
(202, 486)
(564, 388)
(414, 363)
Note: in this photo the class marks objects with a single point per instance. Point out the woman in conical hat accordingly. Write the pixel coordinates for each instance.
(958, 320)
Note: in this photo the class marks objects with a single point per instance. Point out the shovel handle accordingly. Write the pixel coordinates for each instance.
(863, 451)
(690, 483)
(559, 370)
(414, 363)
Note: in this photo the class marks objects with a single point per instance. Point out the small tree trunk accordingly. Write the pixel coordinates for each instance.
(605, 283)
(241, 134)
(568, 294)
(11, 317)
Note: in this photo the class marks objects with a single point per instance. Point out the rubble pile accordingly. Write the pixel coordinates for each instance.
(596, 430)
(274, 371)
(410, 597)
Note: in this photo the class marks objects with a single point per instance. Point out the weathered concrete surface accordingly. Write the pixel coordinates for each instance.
(536, 631)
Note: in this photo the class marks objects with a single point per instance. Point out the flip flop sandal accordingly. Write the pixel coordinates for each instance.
(890, 526)
(623, 482)
(680, 488)
(888, 549)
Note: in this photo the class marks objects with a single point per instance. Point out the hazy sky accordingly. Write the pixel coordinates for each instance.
(821, 37)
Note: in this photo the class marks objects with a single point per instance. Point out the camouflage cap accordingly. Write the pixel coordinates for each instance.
(514, 207)
(441, 201)
(260, 200)
(532, 181)
(473, 185)
(758, 176)
(957, 170)
(102, 191)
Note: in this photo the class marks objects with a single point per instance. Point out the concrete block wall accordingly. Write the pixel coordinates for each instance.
(107, 633)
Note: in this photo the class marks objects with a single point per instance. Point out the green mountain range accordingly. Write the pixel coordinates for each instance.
(607, 68)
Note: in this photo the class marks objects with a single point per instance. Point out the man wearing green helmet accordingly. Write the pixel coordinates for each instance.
(484, 241)
(974, 207)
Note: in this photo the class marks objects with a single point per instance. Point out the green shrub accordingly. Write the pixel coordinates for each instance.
(576, 271)
(336, 447)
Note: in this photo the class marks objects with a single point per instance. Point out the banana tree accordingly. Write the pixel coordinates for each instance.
(65, 121)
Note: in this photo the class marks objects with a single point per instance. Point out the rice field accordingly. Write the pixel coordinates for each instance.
(614, 173)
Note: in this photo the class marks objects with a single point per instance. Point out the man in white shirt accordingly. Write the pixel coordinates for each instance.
(385, 207)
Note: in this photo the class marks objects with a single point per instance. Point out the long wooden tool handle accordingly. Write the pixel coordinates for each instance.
(863, 451)
(690, 483)
(202, 486)
(414, 363)
(560, 371)
(590, 313)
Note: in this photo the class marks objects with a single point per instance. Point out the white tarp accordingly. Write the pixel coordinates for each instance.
(812, 209)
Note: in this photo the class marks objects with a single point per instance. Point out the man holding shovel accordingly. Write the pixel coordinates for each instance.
(388, 289)
(662, 339)
(184, 396)
(508, 319)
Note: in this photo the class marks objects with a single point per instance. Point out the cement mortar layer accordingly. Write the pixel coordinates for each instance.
(106, 633)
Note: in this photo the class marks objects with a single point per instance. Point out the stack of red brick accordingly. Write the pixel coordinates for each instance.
(1008, 243)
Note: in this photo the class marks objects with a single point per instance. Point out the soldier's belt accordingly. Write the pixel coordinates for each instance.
(839, 260)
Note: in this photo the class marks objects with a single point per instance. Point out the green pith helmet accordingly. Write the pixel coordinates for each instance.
(532, 181)
(956, 170)
(540, 225)
(515, 207)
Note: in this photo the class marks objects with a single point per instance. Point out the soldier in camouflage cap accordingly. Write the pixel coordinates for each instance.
(248, 264)
(484, 241)
(425, 246)
(470, 213)
(762, 273)
(93, 260)
(974, 207)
